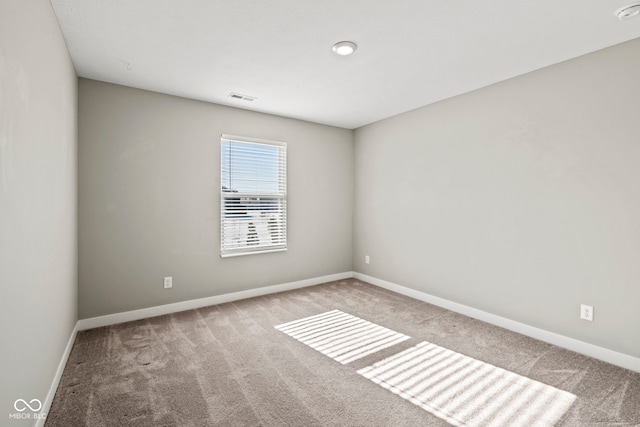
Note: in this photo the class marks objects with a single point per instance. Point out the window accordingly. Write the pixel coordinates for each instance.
(253, 202)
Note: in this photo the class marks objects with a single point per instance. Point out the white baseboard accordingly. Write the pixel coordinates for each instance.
(127, 316)
(620, 359)
(46, 405)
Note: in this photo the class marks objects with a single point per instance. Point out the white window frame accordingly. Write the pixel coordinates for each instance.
(242, 212)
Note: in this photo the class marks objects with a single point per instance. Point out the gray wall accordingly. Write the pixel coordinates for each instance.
(521, 199)
(149, 180)
(37, 201)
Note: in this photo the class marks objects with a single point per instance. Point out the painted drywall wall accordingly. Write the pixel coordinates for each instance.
(520, 199)
(38, 284)
(149, 180)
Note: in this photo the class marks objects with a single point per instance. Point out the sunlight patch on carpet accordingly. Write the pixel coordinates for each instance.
(341, 336)
(467, 392)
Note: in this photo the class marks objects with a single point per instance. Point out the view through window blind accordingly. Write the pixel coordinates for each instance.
(253, 198)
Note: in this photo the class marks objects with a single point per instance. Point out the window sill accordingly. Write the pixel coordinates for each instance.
(267, 251)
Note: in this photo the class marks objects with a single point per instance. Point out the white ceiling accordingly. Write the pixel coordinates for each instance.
(410, 53)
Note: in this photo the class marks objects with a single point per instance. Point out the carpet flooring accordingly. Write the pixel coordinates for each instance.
(344, 353)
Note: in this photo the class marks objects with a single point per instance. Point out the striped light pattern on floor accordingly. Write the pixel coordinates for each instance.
(467, 392)
(341, 336)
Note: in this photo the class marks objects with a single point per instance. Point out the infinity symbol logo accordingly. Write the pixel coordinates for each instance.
(26, 405)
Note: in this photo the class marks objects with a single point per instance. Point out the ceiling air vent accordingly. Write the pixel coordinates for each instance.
(241, 97)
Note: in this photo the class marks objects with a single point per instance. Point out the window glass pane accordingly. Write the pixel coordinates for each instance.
(250, 168)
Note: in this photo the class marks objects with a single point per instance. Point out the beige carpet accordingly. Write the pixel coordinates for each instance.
(467, 392)
(458, 389)
(341, 336)
(387, 360)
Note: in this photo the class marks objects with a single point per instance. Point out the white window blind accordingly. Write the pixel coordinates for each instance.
(253, 202)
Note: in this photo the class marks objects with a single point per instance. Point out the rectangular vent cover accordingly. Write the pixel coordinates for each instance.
(242, 97)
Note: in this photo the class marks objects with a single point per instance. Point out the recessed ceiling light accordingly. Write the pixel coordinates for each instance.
(628, 11)
(344, 48)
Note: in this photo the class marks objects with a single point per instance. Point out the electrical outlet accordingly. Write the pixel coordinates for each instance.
(586, 312)
(366, 259)
(168, 282)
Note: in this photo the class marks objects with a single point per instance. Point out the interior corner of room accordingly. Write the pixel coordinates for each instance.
(515, 203)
